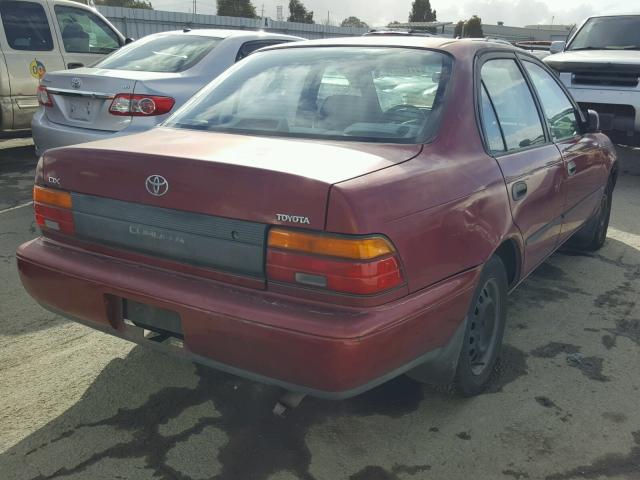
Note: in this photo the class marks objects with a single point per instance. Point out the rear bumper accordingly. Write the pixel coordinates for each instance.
(47, 135)
(320, 350)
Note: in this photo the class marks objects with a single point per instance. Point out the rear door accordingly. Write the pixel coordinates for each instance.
(85, 36)
(532, 165)
(585, 173)
(30, 49)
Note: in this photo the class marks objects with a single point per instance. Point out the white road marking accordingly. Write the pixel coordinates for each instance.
(16, 207)
(631, 239)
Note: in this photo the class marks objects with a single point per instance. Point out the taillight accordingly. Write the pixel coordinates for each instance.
(129, 104)
(354, 265)
(53, 209)
(44, 98)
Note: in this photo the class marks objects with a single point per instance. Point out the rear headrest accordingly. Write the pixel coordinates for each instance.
(340, 111)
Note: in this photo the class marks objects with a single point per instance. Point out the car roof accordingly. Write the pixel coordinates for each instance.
(227, 33)
(454, 46)
(609, 15)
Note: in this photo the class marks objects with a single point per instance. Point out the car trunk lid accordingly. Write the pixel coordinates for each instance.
(206, 198)
(82, 97)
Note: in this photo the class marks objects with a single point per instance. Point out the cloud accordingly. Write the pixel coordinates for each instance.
(381, 12)
(517, 13)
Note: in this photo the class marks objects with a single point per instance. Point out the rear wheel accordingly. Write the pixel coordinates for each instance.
(484, 330)
(593, 234)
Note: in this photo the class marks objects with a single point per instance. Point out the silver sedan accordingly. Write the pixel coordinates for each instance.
(138, 86)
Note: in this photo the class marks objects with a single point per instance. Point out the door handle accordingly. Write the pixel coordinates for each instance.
(74, 65)
(519, 190)
(572, 168)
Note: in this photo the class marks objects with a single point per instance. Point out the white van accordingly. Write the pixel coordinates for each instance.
(37, 36)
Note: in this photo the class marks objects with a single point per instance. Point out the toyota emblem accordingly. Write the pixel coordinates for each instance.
(76, 82)
(157, 185)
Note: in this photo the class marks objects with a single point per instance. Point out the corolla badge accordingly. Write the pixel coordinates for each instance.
(76, 82)
(157, 185)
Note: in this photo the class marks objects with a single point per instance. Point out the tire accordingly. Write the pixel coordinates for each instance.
(593, 234)
(484, 330)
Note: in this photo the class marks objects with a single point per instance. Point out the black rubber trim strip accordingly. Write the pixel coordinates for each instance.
(534, 237)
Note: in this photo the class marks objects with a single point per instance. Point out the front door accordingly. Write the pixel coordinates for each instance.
(584, 172)
(531, 165)
(86, 37)
(30, 49)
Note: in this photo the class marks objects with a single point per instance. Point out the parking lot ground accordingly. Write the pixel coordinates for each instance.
(17, 164)
(77, 404)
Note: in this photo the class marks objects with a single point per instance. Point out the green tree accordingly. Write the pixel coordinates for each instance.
(237, 8)
(421, 12)
(353, 22)
(298, 12)
(459, 30)
(125, 3)
(473, 28)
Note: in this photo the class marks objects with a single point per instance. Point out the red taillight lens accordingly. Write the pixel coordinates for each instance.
(129, 104)
(360, 266)
(44, 98)
(52, 209)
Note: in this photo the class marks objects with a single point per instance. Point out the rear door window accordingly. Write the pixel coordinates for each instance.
(514, 104)
(168, 53)
(85, 32)
(26, 26)
(558, 109)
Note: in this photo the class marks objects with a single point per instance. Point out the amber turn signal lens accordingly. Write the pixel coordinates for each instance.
(50, 196)
(357, 248)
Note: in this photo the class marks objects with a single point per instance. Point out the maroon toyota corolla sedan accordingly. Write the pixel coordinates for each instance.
(328, 215)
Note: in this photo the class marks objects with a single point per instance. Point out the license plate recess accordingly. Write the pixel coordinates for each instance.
(152, 318)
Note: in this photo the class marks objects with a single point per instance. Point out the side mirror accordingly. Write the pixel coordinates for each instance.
(128, 40)
(557, 47)
(593, 121)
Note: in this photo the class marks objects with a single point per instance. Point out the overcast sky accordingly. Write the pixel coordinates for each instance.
(381, 12)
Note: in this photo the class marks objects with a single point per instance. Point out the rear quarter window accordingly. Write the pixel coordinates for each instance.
(248, 48)
(167, 53)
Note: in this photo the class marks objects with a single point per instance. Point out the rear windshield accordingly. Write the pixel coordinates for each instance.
(608, 33)
(168, 53)
(356, 93)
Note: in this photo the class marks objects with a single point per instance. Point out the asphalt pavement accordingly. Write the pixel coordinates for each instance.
(78, 404)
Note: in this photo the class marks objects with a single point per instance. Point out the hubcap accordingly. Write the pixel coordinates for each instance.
(483, 328)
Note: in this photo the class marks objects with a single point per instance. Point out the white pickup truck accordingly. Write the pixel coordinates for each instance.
(600, 65)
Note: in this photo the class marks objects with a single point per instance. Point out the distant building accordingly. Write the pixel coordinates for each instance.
(519, 34)
(511, 34)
